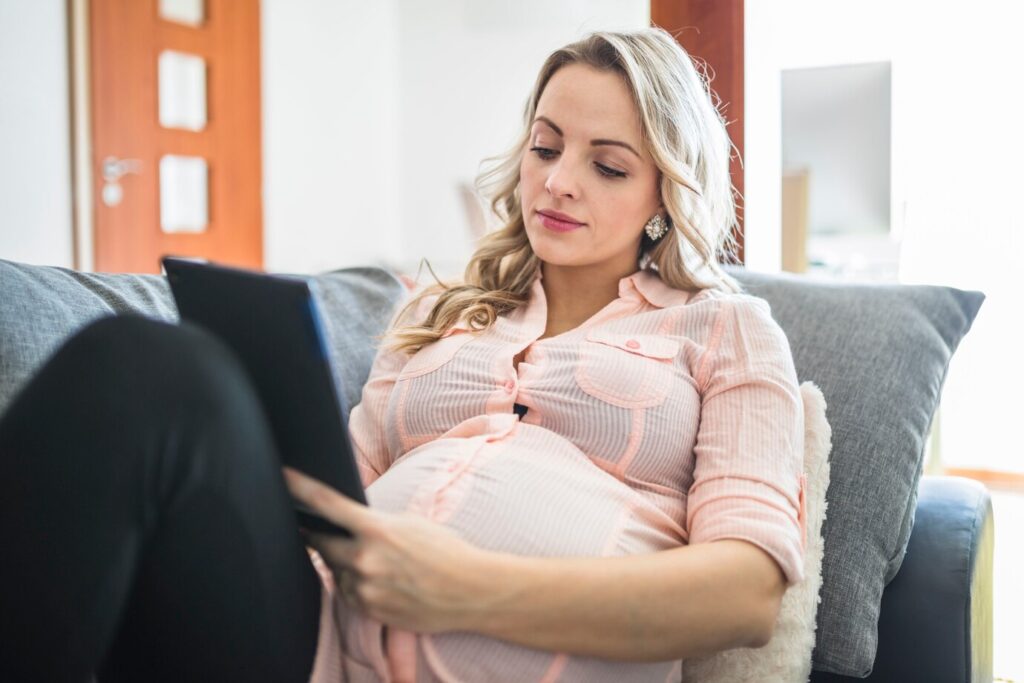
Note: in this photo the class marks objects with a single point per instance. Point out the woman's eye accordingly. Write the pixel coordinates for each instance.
(609, 172)
(544, 153)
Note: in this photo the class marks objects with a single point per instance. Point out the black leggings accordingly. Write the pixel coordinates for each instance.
(146, 533)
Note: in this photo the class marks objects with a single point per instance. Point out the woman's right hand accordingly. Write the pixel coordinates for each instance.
(400, 569)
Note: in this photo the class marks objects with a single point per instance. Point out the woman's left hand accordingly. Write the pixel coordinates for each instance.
(400, 569)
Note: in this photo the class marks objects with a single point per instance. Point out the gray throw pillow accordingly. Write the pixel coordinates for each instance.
(356, 304)
(879, 353)
(40, 306)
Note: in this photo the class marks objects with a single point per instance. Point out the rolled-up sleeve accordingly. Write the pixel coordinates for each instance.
(749, 450)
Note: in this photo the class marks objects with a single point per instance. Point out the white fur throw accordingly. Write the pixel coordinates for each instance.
(787, 657)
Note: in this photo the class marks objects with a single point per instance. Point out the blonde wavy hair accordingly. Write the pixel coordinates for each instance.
(686, 137)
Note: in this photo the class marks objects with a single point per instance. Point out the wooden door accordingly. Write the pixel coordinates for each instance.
(712, 30)
(147, 161)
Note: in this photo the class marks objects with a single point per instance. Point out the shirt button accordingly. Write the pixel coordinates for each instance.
(509, 386)
(633, 344)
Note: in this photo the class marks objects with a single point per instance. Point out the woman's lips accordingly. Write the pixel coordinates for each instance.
(558, 224)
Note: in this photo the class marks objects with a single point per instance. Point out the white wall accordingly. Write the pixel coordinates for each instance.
(330, 145)
(35, 176)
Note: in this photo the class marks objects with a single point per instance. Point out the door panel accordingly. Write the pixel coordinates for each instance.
(126, 38)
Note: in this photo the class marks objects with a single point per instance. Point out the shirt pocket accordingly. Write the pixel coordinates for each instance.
(626, 370)
(436, 354)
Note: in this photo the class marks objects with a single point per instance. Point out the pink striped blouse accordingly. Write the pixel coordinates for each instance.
(667, 418)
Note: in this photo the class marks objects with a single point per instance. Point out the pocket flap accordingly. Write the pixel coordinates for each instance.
(649, 345)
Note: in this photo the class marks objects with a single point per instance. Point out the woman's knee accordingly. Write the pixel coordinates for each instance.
(125, 339)
(174, 392)
(144, 356)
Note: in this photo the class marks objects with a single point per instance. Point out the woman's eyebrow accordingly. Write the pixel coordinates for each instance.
(617, 143)
(551, 125)
(594, 143)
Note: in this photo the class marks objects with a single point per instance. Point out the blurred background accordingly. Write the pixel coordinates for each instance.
(880, 142)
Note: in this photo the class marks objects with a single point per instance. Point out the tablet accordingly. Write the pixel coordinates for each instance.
(272, 324)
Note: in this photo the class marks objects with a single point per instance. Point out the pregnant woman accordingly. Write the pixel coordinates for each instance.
(582, 461)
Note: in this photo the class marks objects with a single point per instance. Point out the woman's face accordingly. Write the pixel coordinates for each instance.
(587, 183)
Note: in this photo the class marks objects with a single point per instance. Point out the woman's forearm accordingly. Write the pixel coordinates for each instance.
(684, 602)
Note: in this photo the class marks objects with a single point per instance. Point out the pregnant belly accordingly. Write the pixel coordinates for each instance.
(527, 491)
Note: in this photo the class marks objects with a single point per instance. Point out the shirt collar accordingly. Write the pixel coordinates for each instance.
(649, 285)
(645, 284)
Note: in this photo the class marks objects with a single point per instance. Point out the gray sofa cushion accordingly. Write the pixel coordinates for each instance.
(41, 305)
(879, 353)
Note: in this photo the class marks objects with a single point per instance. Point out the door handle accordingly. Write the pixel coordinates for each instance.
(114, 168)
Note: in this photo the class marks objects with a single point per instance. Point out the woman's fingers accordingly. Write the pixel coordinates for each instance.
(402, 568)
(329, 503)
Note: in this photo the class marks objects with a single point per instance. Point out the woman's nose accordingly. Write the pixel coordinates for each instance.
(562, 180)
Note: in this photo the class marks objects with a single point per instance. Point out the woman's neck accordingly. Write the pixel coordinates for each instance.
(575, 294)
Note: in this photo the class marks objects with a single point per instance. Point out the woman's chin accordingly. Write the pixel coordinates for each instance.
(558, 249)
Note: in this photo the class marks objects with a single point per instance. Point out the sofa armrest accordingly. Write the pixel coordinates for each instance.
(936, 616)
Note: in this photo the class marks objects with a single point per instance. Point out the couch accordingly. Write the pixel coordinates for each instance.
(907, 592)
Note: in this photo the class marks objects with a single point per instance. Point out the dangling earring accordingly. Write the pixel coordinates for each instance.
(656, 227)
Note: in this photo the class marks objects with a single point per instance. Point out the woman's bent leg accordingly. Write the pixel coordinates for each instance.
(146, 529)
